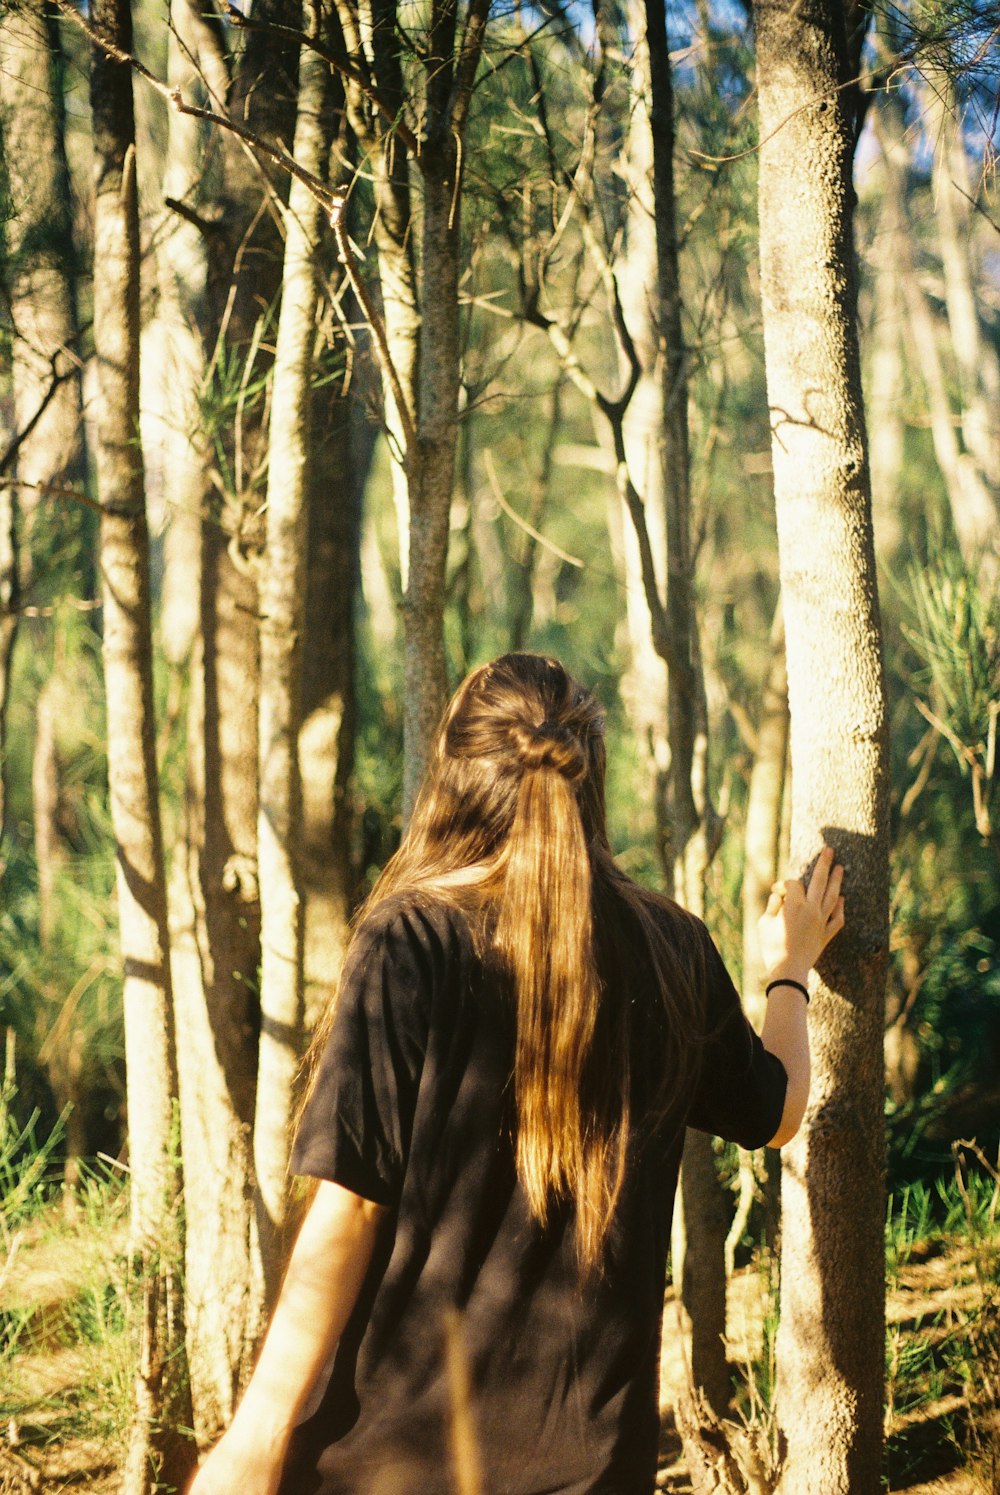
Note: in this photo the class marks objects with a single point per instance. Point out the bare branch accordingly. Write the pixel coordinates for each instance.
(347, 259)
(529, 529)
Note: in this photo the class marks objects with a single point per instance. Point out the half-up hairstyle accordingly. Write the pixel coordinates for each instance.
(510, 825)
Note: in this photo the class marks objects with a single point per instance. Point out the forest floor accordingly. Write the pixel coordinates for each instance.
(64, 1380)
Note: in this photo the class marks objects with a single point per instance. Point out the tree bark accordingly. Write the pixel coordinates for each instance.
(155, 1452)
(831, 1338)
(282, 608)
(701, 1219)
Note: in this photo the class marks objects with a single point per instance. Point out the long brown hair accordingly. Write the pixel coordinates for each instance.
(510, 825)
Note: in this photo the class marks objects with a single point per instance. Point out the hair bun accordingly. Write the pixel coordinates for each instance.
(550, 745)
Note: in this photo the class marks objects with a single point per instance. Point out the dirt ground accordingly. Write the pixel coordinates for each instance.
(68, 1370)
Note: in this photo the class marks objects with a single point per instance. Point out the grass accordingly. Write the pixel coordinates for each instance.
(65, 1370)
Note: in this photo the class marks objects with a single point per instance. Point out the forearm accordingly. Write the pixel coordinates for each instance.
(785, 1035)
(324, 1277)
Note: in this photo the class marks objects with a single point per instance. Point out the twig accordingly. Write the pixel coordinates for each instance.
(341, 61)
(529, 529)
(58, 379)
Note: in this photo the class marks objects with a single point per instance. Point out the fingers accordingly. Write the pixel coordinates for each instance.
(820, 877)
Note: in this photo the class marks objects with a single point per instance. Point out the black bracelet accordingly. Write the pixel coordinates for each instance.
(783, 981)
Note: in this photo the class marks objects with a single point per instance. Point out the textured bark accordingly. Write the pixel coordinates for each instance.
(831, 1338)
(282, 610)
(155, 1452)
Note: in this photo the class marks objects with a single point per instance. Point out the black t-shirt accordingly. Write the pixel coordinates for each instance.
(412, 1109)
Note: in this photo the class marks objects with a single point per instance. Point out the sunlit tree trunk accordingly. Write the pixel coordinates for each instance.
(155, 1453)
(831, 1338)
(215, 910)
(282, 610)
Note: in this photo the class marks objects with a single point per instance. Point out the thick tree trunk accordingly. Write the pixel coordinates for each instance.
(831, 1339)
(282, 607)
(155, 1451)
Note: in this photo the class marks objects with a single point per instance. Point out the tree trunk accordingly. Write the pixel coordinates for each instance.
(831, 1338)
(155, 1451)
(975, 352)
(40, 266)
(701, 1222)
(282, 609)
(182, 265)
(973, 512)
(45, 806)
(419, 344)
(215, 931)
(340, 459)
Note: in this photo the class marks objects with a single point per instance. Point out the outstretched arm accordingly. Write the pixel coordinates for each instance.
(327, 1267)
(797, 927)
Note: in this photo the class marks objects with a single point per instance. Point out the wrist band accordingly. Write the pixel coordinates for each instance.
(783, 981)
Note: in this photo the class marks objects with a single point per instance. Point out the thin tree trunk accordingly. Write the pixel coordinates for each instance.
(45, 807)
(885, 397)
(215, 913)
(182, 264)
(418, 344)
(831, 1337)
(761, 862)
(973, 513)
(155, 1451)
(282, 605)
(40, 256)
(975, 353)
(701, 1219)
(340, 459)
(762, 831)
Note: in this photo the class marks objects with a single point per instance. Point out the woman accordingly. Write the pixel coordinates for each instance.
(495, 1113)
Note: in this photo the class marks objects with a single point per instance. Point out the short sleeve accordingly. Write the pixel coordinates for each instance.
(740, 1092)
(356, 1125)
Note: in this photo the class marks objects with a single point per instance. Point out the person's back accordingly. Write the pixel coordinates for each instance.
(495, 1109)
